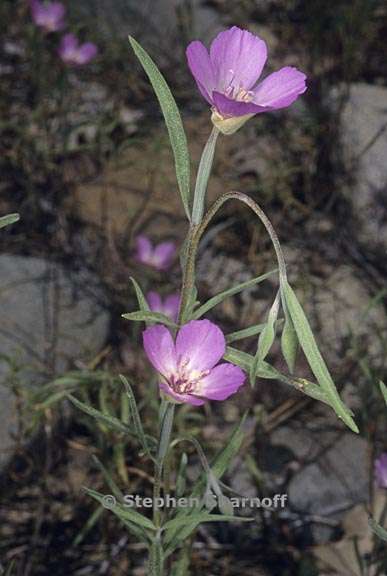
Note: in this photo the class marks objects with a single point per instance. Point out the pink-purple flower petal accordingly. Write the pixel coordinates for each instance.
(200, 344)
(281, 88)
(154, 301)
(201, 68)
(182, 398)
(160, 349)
(144, 249)
(87, 52)
(238, 58)
(223, 381)
(164, 254)
(49, 16)
(75, 54)
(171, 306)
(381, 471)
(231, 108)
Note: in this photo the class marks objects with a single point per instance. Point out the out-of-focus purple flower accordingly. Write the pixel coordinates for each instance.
(75, 54)
(159, 256)
(49, 16)
(189, 367)
(381, 470)
(227, 78)
(169, 306)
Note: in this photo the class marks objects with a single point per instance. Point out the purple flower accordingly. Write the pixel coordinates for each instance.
(49, 16)
(227, 78)
(169, 306)
(159, 257)
(75, 54)
(189, 367)
(381, 470)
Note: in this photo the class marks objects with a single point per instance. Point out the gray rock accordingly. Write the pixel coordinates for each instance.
(333, 476)
(156, 21)
(364, 123)
(50, 318)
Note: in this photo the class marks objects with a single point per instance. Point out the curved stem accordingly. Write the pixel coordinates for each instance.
(198, 231)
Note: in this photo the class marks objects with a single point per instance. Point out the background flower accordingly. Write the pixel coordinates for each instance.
(189, 368)
(227, 76)
(168, 306)
(49, 16)
(74, 53)
(159, 256)
(381, 470)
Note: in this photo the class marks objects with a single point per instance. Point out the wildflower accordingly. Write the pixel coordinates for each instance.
(381, 470)
(75, 54)
(169, 306)
(189, 367)
(227, 78)
(159, 256)
(49, 16)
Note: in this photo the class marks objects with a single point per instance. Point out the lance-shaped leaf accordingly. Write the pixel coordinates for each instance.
(8, 219)
(125, 513)
(245, 333)
(172, 120)
(312, 353)
(181, 478)
(268, 372)
(289, 341)
(152, 317)
(215, 300)
(110, 421)
(135, 416)
(142, 302)
(383, 389)
(218, 468)
(266, 338)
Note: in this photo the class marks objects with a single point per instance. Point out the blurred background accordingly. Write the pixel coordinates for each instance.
(85, 160)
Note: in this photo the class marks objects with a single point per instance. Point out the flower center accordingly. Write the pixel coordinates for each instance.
(186, 381)
(239, 94)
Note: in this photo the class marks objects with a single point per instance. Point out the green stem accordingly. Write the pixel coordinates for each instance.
(156, 552)
(203, 175)
(197, 232)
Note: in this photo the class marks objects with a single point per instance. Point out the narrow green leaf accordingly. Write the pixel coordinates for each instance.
(218, 468)
(142, 302)
(268, 372)
(172, 120)
(9, 570)
(111, 421)
(377, 529)
(181, 476)
(383, 389)
(90, 523)
(289, 342)
(181, 566)
(108, 479)
(8, 219)
(124, 513)
(199, 518)
(266, 338)
(154, 317)
(135, 416)
(215, 300)
(312, 353)
(245, 333)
